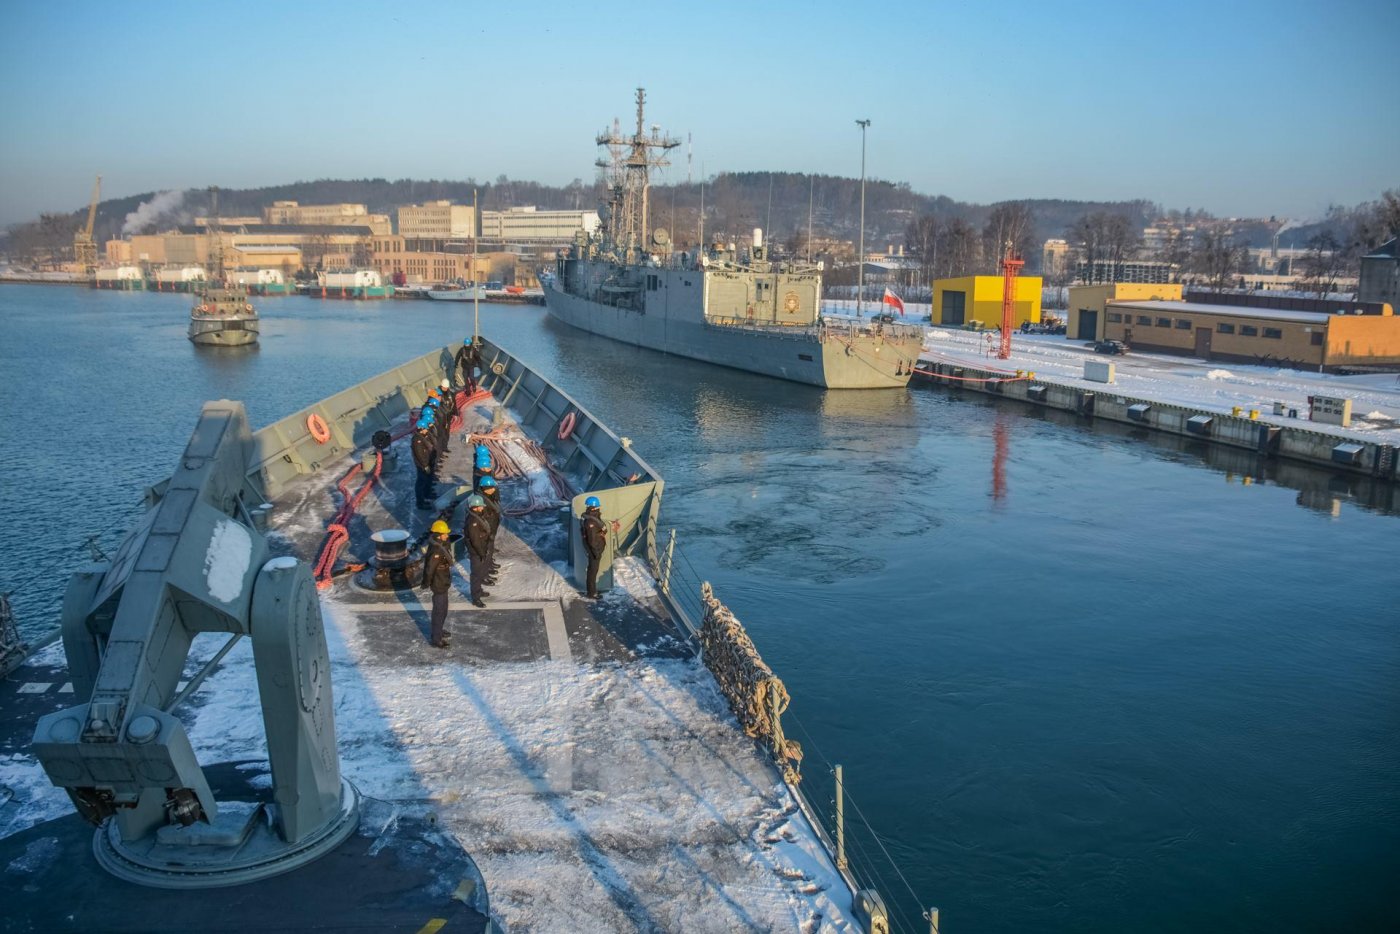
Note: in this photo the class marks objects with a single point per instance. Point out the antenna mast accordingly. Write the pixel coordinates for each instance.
(627, 177)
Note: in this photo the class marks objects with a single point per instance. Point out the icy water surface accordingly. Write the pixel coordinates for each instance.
(1079, 679)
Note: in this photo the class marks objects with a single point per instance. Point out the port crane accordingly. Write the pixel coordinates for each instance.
(84, 247)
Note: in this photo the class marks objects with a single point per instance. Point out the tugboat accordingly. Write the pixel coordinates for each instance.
(738, 308)
(222, 316)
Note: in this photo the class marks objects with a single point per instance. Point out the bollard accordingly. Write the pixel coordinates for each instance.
(1253, 414)
(1235, 411)
(932, 920)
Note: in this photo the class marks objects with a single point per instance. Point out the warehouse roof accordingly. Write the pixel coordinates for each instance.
(267, 248)
(1231, 311)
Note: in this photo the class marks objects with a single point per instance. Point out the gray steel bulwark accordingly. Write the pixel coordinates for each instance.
(196, 564)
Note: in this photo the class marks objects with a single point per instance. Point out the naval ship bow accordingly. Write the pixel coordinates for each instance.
(738, 308)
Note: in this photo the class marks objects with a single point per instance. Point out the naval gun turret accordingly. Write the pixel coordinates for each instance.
(196, 563)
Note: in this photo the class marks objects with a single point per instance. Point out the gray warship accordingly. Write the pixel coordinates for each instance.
(244, 728)
(737, 308)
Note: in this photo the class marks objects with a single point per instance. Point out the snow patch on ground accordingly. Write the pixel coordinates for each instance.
(1220, 374)
(226, 562)
(38, 855)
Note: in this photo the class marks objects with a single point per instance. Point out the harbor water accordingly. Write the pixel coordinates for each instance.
(1079, 678)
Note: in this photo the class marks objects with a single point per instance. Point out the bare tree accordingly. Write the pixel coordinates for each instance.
(960, 253)
(1217, 257)
(1322, 264)
(1103, 241)
(921, 239)
(1175, 250)
(1011, 222)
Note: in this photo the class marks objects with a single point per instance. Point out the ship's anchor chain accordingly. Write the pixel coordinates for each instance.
(756, 695)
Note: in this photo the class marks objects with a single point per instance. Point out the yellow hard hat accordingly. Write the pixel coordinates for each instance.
(440, 528)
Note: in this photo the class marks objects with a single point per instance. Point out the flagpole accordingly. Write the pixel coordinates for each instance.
(476, 286)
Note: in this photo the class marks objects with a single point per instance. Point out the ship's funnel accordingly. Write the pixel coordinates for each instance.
(758, 238)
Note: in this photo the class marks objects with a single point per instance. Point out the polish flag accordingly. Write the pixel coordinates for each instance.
(893, 301)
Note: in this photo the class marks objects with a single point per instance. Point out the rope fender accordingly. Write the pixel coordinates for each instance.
(756, 695)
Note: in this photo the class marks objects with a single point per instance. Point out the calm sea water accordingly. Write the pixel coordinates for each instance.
(1079, 679)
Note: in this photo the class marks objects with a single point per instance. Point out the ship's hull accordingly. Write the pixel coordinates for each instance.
(224, 332)
(272, 288)
(456, 295)
(157, 285)
(863, 359)
(351, 291)
(120, 285)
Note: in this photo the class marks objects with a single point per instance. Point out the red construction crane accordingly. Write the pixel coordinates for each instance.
(1009, 267)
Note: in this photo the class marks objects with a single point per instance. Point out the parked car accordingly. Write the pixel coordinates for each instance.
(1110, 347)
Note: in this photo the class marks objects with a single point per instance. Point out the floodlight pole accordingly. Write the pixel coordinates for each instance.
(860, 259)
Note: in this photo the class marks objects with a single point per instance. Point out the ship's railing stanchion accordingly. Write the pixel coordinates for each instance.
(664, 578)
(840, 818)
(932, 920)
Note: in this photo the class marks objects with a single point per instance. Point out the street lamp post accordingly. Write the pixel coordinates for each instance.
(860, 258)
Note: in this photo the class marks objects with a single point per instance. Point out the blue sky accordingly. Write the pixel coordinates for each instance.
(1243, 108)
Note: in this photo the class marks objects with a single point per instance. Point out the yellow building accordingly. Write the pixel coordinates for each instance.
(1086, 304)
(967, 299)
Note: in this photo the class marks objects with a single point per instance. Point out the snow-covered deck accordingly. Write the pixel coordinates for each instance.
(579, 752)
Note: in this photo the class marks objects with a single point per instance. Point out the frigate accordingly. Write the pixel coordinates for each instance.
(741, 308)
(244, 727)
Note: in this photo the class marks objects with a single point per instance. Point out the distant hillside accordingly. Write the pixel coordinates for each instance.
(735, 202)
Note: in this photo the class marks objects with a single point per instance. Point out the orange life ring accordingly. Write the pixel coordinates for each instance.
(319, 431)
(566, 427)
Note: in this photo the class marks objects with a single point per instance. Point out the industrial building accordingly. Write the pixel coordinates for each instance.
(976, 300)
(430, 225)
(1315, 334)
(1130, 270)
(396, 263)
(1380, 274)
(526, 225)
(1086, 304)
(326, 215)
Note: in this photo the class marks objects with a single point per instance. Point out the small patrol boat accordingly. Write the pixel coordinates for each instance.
(223, 317)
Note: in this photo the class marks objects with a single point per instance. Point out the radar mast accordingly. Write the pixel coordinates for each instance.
(626, 176)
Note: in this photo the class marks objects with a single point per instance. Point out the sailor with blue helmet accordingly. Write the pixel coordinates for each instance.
(491, 493)
(482, 465)
(467, 360)
(595, 539)
(424, 448)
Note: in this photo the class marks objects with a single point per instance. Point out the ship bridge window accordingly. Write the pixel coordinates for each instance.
(653, 283)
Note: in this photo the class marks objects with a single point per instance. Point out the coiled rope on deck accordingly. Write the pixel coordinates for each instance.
(338, 531)
(499, 441)
(756, 695)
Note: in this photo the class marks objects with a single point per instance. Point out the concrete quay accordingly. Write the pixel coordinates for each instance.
(1304, 442)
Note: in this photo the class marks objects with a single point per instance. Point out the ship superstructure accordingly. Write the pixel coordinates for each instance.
(720, 304)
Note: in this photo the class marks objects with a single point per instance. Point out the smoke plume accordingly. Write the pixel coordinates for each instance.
(150, 212)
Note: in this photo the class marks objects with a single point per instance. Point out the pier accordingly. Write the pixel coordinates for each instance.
(1306, 442)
